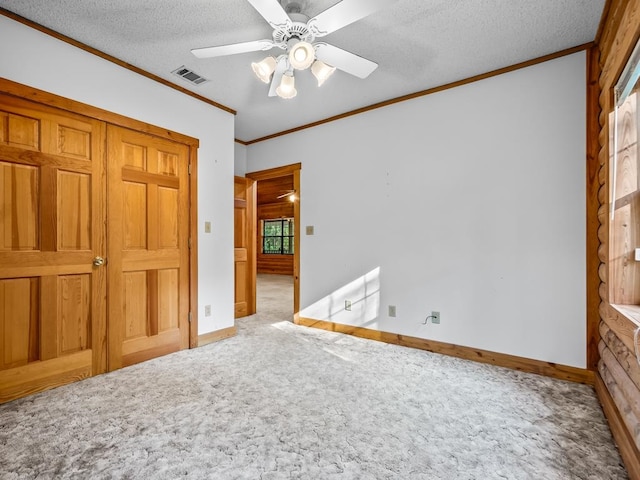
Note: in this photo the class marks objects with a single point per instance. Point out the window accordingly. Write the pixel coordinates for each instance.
(625, 187)
(277, 236)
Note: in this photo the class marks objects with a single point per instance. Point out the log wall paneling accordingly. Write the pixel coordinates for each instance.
(621, 400)
(618, 273)
(593, 180)
(625, 357)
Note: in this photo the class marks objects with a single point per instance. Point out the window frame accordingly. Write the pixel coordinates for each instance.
(290, 236)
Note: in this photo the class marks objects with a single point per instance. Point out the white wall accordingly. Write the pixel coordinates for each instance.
(470, 202)
(240, 162)
(33, 58)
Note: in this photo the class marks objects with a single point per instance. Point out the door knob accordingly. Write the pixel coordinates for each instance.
(98, 261)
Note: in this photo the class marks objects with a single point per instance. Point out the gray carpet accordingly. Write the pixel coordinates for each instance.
(279, 401)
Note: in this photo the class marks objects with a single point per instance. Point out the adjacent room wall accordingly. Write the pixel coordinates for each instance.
(469, 201)
(240, 160)
(38, 60)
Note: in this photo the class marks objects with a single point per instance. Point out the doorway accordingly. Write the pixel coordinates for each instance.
(277, 227)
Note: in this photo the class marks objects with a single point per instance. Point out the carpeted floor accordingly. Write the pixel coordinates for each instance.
(279, 401)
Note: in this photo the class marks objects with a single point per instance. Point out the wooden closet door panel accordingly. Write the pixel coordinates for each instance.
(148, 246)
(244, 251)
(52, 226)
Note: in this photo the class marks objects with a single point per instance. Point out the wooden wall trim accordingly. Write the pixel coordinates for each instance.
(592, 206)
(619, 39)
(40, 96)
(628, 450)
(252, 193)
(275, 172)
(617, 24)
(603, 21)
(216, 336)
(109, 58)
(422, 93)
(297, 229)
(548, 369)
(193, 247)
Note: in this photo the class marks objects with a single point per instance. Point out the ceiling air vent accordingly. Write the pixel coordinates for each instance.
(189, 75)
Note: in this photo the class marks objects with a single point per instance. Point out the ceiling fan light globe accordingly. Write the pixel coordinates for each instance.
(287, 87)
(264, 68)
(302, 55)
(322, 71)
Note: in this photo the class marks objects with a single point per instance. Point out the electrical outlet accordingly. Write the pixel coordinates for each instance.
(435, 317)
(392, 310)
(207, 310)
(347, 305)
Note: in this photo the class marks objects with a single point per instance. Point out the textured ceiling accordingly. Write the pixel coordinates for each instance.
(418, 44)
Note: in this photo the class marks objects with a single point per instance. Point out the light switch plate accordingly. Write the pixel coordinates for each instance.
(309, 229)
(207, 227)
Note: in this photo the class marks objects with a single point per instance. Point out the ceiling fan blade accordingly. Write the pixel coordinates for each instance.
(345, 61)
(289, 193)
(272, 12)
(343, 14)
(281, 67)
(233, 49)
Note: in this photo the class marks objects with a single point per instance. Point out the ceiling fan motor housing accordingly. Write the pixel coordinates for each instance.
(297, 30)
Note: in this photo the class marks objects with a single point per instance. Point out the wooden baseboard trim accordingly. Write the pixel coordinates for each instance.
(627, 447)
(216, 336)
(548, 369)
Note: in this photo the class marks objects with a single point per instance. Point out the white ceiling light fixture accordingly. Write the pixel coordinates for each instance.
(301, 55)
(264, 68)
(322, 71)
(287, 88)
(295, 33)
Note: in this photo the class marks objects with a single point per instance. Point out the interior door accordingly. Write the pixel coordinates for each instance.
(52, 295)
(148, 235)
(244, 242)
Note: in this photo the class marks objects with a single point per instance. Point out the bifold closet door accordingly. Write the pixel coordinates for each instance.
(148, 234)
(52, 240)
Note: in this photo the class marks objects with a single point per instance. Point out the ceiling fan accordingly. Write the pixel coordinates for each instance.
(289, 194)
(295, 33)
